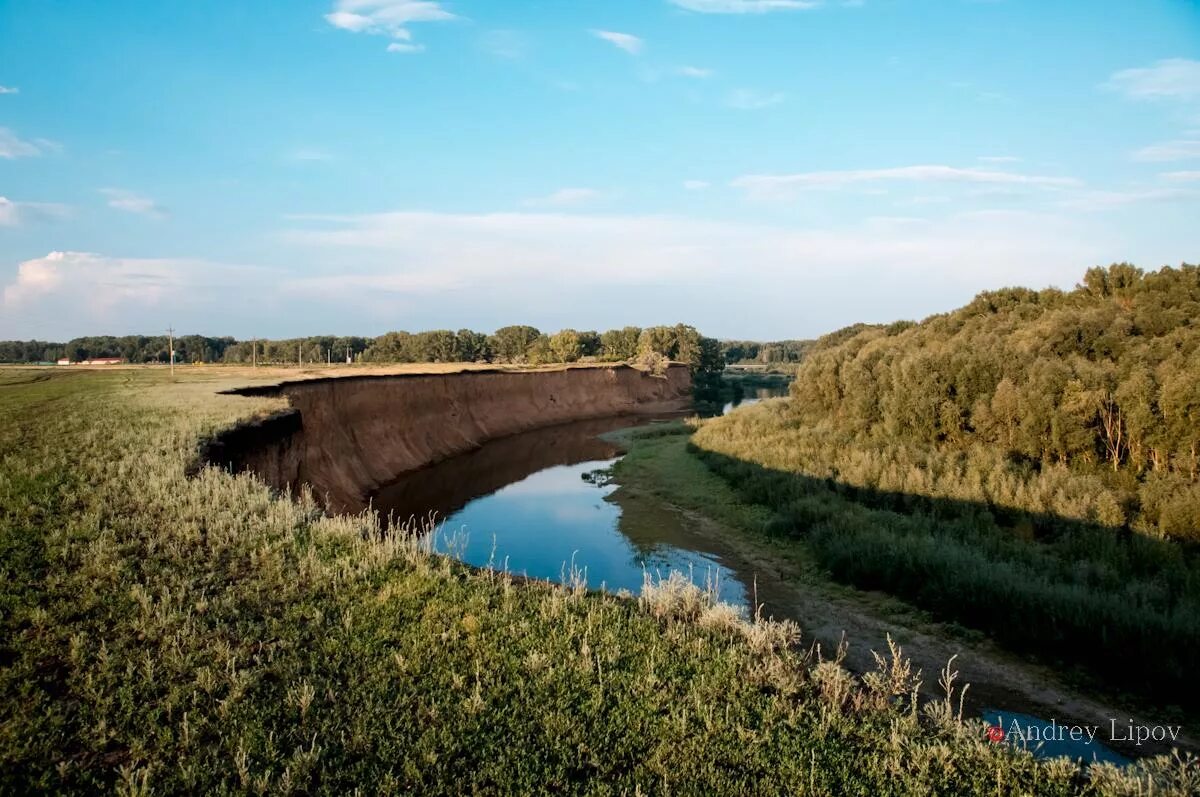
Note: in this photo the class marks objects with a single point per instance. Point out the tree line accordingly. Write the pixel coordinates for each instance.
(1101, 379)
(511, 344)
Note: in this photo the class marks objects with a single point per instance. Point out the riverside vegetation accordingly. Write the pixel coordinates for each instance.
(160, 633)
(1026, 466)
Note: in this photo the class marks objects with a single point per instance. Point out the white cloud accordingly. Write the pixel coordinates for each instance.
(98, 281)
(1106, 200)
(752, 100)
(695, 185)
(623, 41)
(75, 293)
(566, 197)
(776, 186)
(387, 18)
(744, 6)
(130, 202)
(694, 72)
(1181, 177)
(1172, 78)
(1183, 149)
(675, 264)
(547, 268)
(9, 90)
(12, 146)
(14, 214)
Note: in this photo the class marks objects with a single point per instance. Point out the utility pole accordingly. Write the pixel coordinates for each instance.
(329, 357)
(300, 354)
(171, 347)
(254, 352)
(347, 354)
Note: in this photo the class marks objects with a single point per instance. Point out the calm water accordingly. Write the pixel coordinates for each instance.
(522, 503)
(1048, 738)
(753, 396)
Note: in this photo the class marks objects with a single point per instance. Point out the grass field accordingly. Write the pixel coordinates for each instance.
(160, 634)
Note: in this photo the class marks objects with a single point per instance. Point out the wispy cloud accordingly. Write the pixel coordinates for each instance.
(622, 41)
(694, 72)
(776, 186)
(565, 197)
(14, 214)
(405, 47)
(13, 146)
(752, 99)
(420, 253)
(696, 185)
(1173, 78)
(509, 44)
(387, 18)
(130, 202)
(1106, 200)
(1180, 150)
(1181, 177)
(9, 90)
(744, 6)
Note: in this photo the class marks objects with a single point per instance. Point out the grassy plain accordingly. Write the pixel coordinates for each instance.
(160, 634)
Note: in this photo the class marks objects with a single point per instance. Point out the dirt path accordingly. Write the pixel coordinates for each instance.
(998, 680)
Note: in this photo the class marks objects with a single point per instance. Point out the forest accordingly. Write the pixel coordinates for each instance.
(1025, 465)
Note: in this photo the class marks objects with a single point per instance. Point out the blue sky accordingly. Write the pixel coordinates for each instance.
(760, 168)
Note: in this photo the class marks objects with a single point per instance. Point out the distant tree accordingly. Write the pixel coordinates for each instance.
(512, 343)
(472, 346)
(566, 346)
(620, 344)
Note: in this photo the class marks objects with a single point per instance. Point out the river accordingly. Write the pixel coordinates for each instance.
(540, 504)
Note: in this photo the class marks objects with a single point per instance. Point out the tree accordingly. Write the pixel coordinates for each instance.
(566, 346)
(620, 344)
(511, 344)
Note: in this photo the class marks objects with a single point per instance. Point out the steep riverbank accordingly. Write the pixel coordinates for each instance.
(346, 437)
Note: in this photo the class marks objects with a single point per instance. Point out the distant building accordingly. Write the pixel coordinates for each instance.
(93, 361)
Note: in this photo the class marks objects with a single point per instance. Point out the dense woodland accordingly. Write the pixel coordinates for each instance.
(1025, 465)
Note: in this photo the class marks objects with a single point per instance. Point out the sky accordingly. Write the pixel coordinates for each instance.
(761, 169)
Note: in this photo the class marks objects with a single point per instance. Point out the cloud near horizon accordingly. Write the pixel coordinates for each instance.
(785, 186)
(411, 269)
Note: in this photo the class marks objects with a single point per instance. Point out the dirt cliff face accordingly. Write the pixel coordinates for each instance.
(347, 436)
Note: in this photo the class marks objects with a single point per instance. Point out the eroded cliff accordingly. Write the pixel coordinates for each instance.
(347, 436)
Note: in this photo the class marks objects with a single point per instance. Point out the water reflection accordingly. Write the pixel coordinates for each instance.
(753, 395)
(1050, 738)
(522, 503)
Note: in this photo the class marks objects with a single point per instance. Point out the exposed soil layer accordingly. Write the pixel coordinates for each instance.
(346, 437)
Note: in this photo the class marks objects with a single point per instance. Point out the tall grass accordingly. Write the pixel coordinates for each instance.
(1123, 606)
(173, 635)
